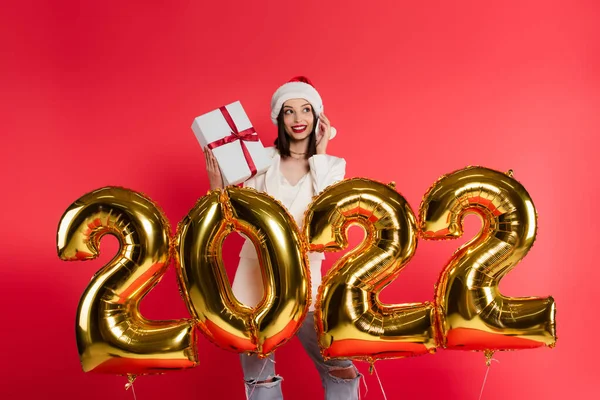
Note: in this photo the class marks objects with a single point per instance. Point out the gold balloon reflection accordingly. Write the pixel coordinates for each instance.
(112, 335)
(472, 313)
(281, 251)
(351, 321)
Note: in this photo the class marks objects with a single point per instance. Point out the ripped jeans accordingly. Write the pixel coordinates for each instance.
(257, 370)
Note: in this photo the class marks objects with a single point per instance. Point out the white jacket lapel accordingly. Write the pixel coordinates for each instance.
(272, 177)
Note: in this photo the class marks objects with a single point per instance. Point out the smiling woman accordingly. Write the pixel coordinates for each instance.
(298, 118)
(295, 124)
(300, 169)
(296, 140)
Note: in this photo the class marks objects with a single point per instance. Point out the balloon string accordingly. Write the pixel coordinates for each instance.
(248, 397)
(379, 380)
(488, 361)
(129, 384)
(364, 381)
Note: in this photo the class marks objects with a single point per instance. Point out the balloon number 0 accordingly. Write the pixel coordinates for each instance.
(206, 289)
(468, 312)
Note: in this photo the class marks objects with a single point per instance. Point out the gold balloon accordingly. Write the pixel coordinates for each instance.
(112, 335)
(350, 319)
(282, 255)
(472, 313)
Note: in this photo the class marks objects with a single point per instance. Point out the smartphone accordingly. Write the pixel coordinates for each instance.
(333, 130)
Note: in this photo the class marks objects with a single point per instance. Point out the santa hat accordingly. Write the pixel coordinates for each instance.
(299, 87)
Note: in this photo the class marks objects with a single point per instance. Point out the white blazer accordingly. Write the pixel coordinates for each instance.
(324, 171)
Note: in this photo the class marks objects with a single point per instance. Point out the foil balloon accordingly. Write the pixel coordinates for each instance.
(112, 335)
(472, 314)
(282, 255)
(351, 321)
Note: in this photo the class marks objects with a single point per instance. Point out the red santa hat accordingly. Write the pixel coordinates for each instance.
(299, 87)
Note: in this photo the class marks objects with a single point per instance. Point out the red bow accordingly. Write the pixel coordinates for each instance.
(247, 135)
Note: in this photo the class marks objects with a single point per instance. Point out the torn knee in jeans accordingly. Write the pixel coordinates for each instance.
(343, 373)
(270, 382)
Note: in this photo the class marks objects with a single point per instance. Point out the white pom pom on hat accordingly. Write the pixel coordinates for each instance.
(299, 87)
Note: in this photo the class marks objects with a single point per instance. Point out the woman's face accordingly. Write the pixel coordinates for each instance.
(298, 118)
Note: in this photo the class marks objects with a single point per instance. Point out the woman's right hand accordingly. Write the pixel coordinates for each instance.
(212, 168)
(323, 135)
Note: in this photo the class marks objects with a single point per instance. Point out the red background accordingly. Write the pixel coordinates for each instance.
(104, 93)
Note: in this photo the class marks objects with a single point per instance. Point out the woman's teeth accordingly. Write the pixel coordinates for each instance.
(299, 128)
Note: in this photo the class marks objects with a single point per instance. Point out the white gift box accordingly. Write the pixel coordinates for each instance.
(213, 126)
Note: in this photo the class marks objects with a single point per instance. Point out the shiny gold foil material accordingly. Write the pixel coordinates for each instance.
(472, 314)
(350, 320)
(112, 335)
(282, 255)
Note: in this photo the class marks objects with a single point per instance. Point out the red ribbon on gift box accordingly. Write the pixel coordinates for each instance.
(247, 135)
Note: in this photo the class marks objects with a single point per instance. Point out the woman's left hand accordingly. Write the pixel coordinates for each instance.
(323, 134)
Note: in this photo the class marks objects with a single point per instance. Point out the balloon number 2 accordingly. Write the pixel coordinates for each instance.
(112, 335)
(468, 311)
(351, 321)
(472, 314)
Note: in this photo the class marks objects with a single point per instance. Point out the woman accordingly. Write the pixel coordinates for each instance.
(300, 169)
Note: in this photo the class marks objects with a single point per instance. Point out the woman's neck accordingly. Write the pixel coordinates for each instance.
(299, 147)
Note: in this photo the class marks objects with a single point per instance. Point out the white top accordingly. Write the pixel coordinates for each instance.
(324, 171)
(289, 192)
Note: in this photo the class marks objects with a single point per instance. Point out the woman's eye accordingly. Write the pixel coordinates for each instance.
(288, 111)
(306, 109)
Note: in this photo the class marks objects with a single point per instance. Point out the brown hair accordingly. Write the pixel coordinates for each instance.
(282, 143)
